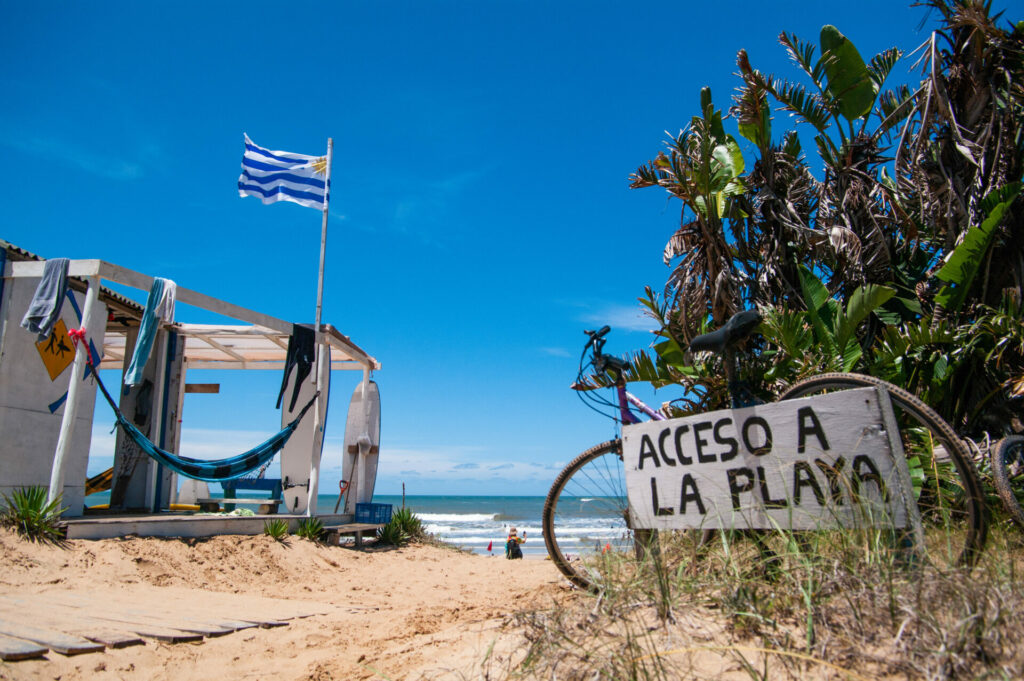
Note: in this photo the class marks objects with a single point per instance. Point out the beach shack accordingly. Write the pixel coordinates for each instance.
(48, 392)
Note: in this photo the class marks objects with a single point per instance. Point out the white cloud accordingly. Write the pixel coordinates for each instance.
(61, 151)
(620, 317)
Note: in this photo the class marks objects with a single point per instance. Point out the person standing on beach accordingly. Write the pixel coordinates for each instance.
(512, 550)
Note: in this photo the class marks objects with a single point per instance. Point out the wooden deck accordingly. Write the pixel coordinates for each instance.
(184, 525)
(73, 623)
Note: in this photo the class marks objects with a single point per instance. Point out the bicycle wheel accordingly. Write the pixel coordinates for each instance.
(586, 513)
(586, 523)
(1007, 459)
(946, 485)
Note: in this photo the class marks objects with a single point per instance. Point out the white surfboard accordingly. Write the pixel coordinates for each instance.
(361, 449)
(297, 457)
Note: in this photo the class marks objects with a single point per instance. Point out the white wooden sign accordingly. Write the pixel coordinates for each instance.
(818, 462)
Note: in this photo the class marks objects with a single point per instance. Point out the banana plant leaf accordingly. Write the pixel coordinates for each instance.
(849, 80)
(964, 261)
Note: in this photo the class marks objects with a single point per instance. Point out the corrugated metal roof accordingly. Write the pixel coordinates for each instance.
(128, 312)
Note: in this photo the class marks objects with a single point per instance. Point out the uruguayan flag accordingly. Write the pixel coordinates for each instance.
(283, 176)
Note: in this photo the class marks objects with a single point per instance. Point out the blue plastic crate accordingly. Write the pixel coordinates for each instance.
(373, 513)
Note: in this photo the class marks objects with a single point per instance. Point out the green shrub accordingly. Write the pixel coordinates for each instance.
(277, 528)
(32, 516)
(393, 533)
(408, 521)
(311, 529)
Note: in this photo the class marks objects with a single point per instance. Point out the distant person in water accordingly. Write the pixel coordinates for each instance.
(512, 549)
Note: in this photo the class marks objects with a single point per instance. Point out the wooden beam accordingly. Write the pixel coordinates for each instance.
(127, 277)
(186, 329)
(34, 268)
(271, 365)
(277, 341)
(344, 343)
(218, 346)
(207, 388)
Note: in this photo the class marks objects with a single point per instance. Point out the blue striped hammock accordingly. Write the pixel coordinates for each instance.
(218, 470)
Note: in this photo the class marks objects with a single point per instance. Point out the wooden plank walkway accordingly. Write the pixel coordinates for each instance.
(72, 623)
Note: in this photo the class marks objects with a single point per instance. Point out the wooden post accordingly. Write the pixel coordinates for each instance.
(67, 424)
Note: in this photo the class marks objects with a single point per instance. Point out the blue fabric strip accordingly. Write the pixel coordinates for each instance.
(256, 189)
(74, 304)
(55, 405)
(289, 177)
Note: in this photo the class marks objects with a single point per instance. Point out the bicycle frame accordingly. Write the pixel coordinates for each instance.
(627, 398)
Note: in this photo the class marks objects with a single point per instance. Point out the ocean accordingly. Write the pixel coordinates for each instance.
(476, 522)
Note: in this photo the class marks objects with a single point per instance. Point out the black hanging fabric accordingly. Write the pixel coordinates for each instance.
(301, 354)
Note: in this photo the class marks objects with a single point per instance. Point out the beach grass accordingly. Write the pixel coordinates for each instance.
(29, 512)
(276, 529)
(695, 609)
(311, 529)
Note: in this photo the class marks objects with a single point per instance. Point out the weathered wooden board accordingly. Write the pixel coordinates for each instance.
(56, 641)
(78, 622)
(98, 620)
(74, 623)
(12, 649)
(213, 607)
(71, 622)
(819, 462)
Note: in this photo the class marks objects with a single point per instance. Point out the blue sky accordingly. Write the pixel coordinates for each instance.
(480, 216)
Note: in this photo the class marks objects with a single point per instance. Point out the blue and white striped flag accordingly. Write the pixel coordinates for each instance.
(283, 176)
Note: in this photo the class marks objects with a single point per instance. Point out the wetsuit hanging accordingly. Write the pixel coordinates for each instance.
(301, 353)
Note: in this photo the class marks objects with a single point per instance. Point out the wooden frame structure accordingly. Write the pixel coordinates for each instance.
(260, 343)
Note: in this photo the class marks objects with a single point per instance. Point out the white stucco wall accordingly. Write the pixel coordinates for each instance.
(28, 429)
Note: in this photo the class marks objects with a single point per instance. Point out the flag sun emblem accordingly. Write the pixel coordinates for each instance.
(320, 166)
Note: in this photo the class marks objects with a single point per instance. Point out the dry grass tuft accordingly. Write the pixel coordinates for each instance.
(727, 612)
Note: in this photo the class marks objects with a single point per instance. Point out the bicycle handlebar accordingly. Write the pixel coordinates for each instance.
(601, 361)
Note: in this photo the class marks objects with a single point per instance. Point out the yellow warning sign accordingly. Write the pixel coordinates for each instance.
(57, 351)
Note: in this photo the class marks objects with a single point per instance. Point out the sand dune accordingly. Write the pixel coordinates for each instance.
(408, 613)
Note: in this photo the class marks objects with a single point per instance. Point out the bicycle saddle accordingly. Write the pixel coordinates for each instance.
(739, 326)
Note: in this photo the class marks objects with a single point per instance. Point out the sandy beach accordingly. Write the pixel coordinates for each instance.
(398, 613)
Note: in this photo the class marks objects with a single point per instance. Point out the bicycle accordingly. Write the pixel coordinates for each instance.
(592, 486)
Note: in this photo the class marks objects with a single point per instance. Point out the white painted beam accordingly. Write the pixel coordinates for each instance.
(67, 423)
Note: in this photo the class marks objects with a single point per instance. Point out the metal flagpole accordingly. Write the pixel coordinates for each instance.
(323, 247)
(317, 425)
